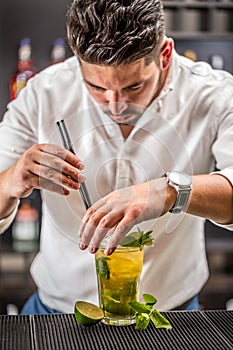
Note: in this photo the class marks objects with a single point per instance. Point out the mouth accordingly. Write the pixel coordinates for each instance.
(124, 119)
(127, 116)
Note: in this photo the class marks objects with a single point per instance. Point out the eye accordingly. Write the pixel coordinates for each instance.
(95, 87)
(98, 88)
(133, 88)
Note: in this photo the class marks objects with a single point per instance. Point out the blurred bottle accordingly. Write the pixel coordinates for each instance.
(191, 54)
(217, 61)
(24, 70)
(58, 53)
(25, 228)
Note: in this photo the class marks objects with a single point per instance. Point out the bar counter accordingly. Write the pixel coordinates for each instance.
(192, 330)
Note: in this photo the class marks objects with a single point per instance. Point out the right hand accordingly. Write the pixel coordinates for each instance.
(116, 213)
(44, 166)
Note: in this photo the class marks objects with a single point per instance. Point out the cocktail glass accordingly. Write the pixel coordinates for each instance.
(118, 278)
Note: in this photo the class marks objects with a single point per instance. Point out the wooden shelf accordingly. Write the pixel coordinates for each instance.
(198, 16)
(198, 4)
(211, 36)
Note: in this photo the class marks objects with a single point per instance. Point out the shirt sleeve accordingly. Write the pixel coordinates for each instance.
(17, 134)
(228, 174)
(19, 127)
(5, 223)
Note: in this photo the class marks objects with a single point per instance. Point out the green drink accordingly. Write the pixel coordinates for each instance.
(118, 283)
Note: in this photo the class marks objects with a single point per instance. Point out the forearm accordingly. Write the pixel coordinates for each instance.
(212, 198)
(8, 202)
(34, 170)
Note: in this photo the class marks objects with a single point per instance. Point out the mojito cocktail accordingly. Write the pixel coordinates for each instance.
(118, 282)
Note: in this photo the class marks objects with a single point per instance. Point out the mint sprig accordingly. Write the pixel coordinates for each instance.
(102, 267)
(137, 239)
(145, 312)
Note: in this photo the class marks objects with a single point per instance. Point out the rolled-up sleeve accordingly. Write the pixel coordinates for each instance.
(18, 131)
(228, 174)
(5, 223)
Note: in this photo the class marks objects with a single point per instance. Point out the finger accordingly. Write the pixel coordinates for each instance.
(106, 236)
(103, 229)
(61, 166)
(93, 215)
(47, 178)
(86, 235)
(40, 154)
(99, 235)
(95, 226)
(56, 177)
(58, 163)
(123, 227)
(85, 220)
(62, 153)
(91, 235)
(52, 187)
(35, 181)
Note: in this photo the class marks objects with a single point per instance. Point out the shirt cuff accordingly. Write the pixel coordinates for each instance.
(228, 174)
(227, 227)
(5, 223)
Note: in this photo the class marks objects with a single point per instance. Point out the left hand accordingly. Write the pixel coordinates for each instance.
(119, 211)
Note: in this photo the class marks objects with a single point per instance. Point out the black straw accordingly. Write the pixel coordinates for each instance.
(68, 145)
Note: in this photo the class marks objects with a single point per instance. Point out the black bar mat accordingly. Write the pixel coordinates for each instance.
(16, 333)
(195, 330)
(223, 321)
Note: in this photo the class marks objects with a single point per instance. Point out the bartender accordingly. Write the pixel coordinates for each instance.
(149, 129)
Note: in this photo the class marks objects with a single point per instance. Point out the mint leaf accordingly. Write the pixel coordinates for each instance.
(142, 321)
(149, 299)
(159, 320)
(145, 312)
(102, 267)
(131, 240)
(140, 307)
(137, 239)
(146, 238)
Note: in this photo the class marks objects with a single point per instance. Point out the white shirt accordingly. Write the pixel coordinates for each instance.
(189, 128)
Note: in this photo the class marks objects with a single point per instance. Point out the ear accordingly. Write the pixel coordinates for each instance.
(166, 53)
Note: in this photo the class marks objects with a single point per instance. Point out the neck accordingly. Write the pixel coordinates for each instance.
(126, 130)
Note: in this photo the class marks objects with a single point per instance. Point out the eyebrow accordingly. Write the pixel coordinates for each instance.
(104, 88)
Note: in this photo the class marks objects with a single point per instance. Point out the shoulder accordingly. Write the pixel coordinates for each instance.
(202, 82)
(69, 65)
(63, 73)
(200, 70)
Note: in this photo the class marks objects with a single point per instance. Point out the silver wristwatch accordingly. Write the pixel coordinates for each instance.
(183, 185)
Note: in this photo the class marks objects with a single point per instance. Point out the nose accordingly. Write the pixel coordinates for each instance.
(116, 103)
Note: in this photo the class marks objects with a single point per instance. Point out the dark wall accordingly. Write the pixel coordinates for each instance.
(43, 21)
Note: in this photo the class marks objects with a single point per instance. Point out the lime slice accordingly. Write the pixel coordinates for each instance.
(87, 314)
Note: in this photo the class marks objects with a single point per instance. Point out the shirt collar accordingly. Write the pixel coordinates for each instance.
(169, 83)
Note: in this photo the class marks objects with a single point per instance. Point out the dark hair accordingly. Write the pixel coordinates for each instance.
(115, 32)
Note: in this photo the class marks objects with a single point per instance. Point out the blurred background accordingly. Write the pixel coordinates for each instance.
(202, 30)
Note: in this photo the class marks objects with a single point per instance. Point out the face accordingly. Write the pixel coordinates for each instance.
(124, 91)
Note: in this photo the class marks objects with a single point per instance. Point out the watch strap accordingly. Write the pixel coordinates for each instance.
(181, 201)
(183, 193)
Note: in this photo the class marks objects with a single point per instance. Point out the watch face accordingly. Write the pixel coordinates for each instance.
(180, 179)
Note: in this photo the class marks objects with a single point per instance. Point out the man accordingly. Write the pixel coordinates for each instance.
(135, 111)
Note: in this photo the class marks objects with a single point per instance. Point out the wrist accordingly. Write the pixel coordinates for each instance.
(8, 201)
(171, 195)
(180, 184)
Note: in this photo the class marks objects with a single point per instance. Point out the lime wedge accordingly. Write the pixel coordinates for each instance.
(87, 314)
